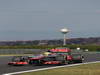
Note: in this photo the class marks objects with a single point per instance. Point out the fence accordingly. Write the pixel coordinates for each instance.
(20, 51)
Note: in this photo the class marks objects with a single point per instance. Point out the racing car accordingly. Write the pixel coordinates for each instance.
(69, 56)
(78, 58)
(33, 59)
(48, 60)
(19, 61)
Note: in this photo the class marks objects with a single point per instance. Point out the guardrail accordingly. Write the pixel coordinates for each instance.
(20, 51)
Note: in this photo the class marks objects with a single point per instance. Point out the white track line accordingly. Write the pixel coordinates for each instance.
(50, 68)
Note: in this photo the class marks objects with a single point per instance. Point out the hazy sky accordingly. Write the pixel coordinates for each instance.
(43, 19)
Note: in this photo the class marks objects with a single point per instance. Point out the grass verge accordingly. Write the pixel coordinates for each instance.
(86, 69)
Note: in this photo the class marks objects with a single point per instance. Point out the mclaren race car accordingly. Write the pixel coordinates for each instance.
(19, 61)
(48, 60)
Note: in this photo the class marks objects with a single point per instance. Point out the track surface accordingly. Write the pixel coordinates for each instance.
(4, 68)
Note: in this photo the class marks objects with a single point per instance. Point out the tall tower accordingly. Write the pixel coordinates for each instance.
(64, 31)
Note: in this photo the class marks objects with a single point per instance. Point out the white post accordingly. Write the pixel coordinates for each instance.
(64, 42)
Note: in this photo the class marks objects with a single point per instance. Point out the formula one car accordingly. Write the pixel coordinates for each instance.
(69, 57)
(19, 61)
(51, 59)
(32, 59)
(78, 58)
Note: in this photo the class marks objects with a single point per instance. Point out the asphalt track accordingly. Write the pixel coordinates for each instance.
(4, 68)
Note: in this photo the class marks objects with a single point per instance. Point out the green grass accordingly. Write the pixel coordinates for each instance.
(86, 69)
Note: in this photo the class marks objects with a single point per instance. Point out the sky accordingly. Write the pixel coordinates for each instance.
(43, 19)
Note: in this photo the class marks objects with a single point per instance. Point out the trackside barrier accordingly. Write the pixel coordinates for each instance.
(19, 51)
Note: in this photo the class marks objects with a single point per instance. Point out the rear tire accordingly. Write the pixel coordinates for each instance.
(39, 63)
(80, 61)
(30, 62)
(70, 62)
